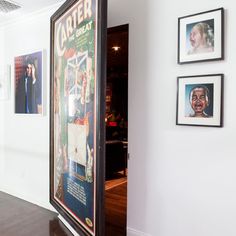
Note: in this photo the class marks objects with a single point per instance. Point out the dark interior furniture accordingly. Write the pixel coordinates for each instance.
(115, 157)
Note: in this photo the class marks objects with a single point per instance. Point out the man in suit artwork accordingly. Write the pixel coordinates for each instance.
(28, 91)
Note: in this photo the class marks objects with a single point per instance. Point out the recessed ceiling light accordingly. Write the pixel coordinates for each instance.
(116, 48)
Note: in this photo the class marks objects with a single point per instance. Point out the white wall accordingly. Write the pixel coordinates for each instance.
(2, 104)
(181, 179)
(25, 163)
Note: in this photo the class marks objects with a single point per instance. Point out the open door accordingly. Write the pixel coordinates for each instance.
(77, 114)
(116, 130)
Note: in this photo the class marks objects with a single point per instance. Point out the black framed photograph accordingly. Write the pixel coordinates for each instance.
(201, 37)
(199, 100)
(28, 83)
(77, 114)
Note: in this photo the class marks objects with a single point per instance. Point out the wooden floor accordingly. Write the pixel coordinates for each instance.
(21, 218)
(116, 208)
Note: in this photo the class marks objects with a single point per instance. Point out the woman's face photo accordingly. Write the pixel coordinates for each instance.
(200, 37)
(196, 38)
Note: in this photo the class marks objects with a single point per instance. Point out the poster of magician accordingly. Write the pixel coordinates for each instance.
(73, 110)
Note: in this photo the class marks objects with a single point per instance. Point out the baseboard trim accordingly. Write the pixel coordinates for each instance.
(60, 217)
(134, 232)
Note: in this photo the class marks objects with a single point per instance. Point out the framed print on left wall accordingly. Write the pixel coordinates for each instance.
(28, 83)
(201, 37)
(5, 85)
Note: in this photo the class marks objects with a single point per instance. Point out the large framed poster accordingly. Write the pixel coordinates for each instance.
(77, 122)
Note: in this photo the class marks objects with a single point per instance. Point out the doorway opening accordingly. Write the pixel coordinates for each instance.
(116, 130)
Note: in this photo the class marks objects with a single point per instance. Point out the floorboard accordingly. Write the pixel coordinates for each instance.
(21, 218)
(116, 208)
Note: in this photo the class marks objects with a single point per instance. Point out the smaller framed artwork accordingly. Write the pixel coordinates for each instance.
(28, 83)
(201, 37)
(199, 100)
(5, 82)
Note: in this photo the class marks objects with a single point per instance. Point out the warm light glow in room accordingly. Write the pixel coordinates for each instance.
(116, 48)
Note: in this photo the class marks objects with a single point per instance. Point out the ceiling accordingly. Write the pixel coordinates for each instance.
(117, 36)
(27, 7)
